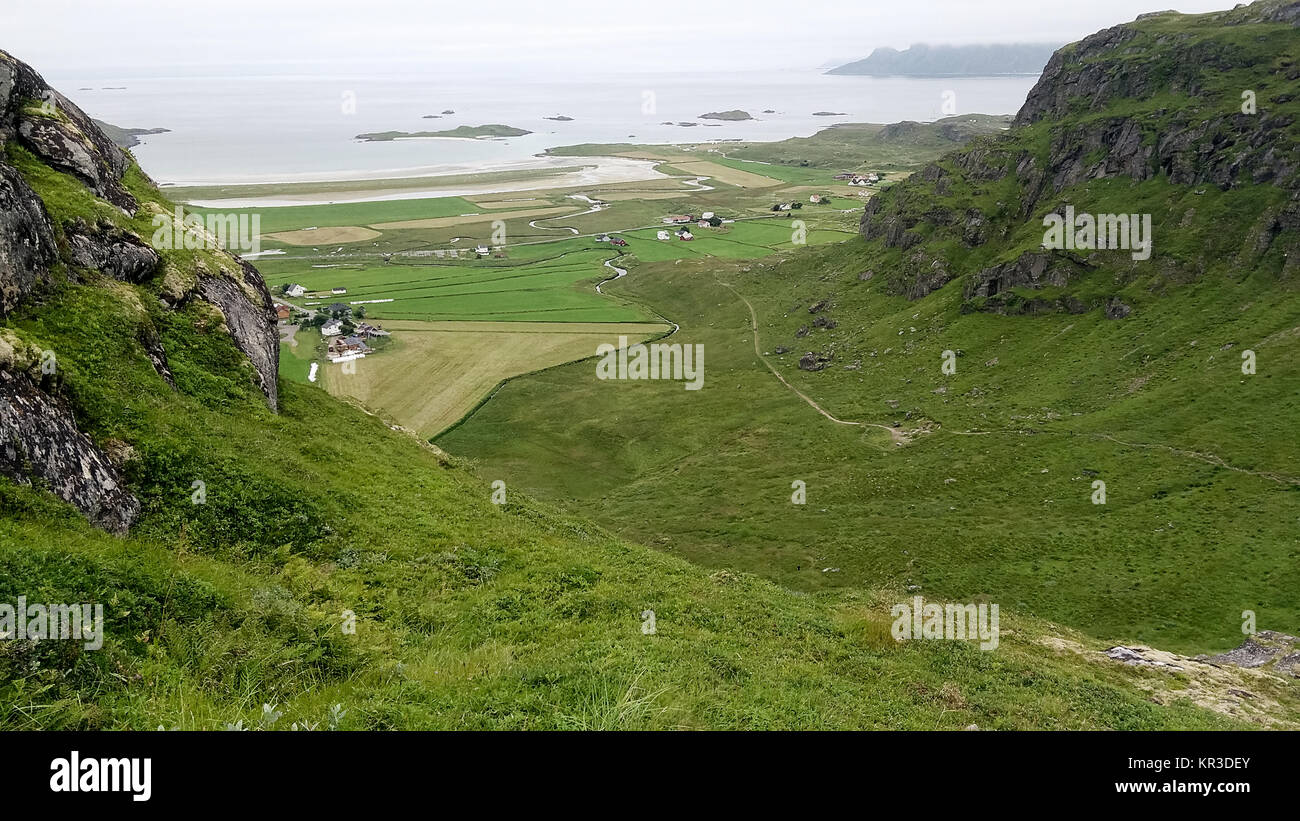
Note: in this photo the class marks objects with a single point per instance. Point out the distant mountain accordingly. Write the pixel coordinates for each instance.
(922, 60)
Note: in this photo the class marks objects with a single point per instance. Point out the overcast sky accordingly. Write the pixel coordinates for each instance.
(67, 36)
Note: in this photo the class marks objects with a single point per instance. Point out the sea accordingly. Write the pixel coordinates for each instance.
(256, 125)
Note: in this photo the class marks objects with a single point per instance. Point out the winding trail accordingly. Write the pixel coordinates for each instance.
(1208, 458)
(894, 433)
(901, 438)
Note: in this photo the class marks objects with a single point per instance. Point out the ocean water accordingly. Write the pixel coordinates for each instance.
(241, 126)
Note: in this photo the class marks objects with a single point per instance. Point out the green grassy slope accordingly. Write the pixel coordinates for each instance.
(1200, 462)
(468, 614)
(529, 615)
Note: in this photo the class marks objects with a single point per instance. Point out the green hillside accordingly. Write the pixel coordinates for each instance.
(269, 556)
(1071, 367)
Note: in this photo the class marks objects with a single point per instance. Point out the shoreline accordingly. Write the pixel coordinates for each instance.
(551, 172)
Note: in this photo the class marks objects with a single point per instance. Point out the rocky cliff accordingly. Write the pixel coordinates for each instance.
(1136, 118)
(73, 214)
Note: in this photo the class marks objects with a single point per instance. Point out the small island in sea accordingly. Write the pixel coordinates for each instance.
(465, 131)
(560, 119)
(734, 114)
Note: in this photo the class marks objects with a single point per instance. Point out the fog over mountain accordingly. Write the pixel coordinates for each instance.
(923, 60)
(565, 35)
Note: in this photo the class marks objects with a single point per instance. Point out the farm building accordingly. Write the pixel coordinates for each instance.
(347, 348)
(672, 219)
(283, 311)
(295, 290)
(338, 291)
(663, 235)
(685, 236)
(619, 241)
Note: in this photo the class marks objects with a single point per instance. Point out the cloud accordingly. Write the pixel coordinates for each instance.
(71, 35)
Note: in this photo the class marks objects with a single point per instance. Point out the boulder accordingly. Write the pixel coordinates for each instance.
(40, 442)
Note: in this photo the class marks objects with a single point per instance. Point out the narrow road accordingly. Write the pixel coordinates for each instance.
(894, 433)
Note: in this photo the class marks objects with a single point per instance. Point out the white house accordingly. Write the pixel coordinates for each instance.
(482, 249)
(686, 236)
(295, 290)
(331, 328)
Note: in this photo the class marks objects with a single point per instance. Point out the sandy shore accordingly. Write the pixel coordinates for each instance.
(592, 171)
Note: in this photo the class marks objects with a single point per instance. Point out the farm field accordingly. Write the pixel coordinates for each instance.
(557, 289)
(434, 373)
(728, 174)
(462, 325)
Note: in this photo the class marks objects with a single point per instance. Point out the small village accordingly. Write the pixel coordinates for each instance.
(346, 338)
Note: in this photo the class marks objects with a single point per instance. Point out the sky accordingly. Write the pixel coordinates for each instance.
(553, 36)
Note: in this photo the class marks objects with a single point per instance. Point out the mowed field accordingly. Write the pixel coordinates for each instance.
(436, 372)
(723, 173)
(560, 288)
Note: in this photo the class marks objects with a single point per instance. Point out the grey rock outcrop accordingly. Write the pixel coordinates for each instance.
(27, 246)
(250, 319)
(53, 128)
(40, 443)
(120, 254)
(1032, 269)
(1088, 118)
(1267, 647)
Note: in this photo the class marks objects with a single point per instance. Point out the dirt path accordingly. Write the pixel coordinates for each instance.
(1208, 458)
(894, 433)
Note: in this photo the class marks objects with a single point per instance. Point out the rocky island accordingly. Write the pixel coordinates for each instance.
(734, 115)
(490, 130)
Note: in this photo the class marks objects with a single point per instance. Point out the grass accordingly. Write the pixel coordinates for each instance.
(995, 500)
(769, 615)
(435, 373)
(1016, 525)
(294, 217)
(470, 615)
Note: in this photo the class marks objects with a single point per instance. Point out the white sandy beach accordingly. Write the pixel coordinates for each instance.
(593, 171)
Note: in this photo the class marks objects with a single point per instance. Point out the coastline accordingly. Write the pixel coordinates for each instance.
(542, 173)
